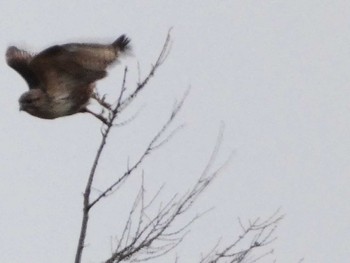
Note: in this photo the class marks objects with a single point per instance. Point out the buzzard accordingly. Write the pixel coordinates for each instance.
(62, 78)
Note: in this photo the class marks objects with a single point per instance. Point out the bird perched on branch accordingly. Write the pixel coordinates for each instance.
(62, 78)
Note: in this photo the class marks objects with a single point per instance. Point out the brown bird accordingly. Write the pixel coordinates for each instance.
(62, 78)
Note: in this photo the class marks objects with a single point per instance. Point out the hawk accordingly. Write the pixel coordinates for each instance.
(62, 78)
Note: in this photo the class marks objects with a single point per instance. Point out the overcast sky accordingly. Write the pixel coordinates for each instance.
(275, 72)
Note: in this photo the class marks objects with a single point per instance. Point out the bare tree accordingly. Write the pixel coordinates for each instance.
(146, 234)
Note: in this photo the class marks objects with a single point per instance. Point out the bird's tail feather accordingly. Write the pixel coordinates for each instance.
(122, 43)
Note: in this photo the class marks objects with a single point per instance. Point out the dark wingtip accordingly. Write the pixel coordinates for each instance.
(11, 51)
(122, 43)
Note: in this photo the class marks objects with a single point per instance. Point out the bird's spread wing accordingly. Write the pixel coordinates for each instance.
(62, 69)
(61, 73)
(19, 60)
(97, 56)
(91, 56)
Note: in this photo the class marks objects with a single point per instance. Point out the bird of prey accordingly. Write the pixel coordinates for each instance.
(62, 78)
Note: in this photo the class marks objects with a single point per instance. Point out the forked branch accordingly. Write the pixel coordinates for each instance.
(113, 113)
(255, 234)
(148, 235)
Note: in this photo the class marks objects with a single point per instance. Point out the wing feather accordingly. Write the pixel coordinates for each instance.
(19, 60)
(60, 73)
(66, 69)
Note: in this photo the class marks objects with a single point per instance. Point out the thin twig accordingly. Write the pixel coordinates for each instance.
(160, 60)
(262, 232)
(156, 236)
(153, 145)
(105, 131)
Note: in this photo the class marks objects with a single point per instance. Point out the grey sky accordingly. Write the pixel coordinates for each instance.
(276, 72)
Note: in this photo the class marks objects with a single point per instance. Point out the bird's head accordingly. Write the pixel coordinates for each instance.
(34, 101)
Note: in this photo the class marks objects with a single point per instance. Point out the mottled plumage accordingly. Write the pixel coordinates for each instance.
(61, 78)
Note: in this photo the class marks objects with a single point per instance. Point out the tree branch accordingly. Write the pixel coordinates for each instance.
(153, 145)
(261, 233)
(113, 113)
(156, 235)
